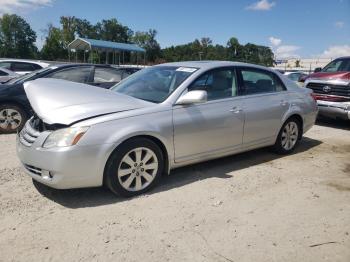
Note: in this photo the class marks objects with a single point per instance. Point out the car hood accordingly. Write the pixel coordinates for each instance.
(63, 102)
(329, 75)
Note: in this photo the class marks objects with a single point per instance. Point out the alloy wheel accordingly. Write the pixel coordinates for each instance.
(10, 119)
(289, 135)
(137, 169)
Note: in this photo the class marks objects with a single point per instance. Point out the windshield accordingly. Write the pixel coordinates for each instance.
(26, 77)
(338, 65)
(154, 84)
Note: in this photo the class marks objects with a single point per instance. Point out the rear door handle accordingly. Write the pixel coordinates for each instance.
(235, 110)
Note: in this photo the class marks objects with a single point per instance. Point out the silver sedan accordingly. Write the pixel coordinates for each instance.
(158, 119)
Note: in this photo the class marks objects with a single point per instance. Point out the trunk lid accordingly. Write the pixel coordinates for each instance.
(63, 102)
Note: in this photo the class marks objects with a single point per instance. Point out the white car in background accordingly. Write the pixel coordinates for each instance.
(6, 75)
(22, 67)
(295, 76)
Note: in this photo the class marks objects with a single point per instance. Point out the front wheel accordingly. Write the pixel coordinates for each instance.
(12, 118)
(134, 167)
(288, 137)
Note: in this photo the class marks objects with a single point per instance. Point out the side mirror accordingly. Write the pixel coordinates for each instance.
(193, 97)
(317, 69)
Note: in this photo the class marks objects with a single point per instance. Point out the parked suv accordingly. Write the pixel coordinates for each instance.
(331, 87)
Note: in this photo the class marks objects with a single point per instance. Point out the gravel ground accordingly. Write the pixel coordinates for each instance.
(255, 206)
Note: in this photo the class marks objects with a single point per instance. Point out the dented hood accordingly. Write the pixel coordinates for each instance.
(63, 102)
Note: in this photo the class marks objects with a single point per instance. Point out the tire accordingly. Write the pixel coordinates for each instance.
(288, 137)
(12, 118)
(134, 167)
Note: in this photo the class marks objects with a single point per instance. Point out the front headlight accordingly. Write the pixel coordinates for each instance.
(65, 137)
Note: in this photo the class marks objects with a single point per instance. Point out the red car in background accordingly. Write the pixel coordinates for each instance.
(331, 88)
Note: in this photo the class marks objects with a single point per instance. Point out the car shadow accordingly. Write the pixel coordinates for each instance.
(334, 123)
(220, 168)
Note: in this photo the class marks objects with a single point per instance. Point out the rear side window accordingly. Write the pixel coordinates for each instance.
(103, 75)
(37, 67)
(6, 65)
(2, 73)
(256, 81)
(22, 67)
(75, 74)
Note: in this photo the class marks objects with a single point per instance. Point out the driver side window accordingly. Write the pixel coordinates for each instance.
(219, 84)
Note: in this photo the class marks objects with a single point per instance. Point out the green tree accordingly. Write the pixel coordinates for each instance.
(147, 40)
(233, 51)
(54, 46)
(84, 28)
(17, 38)
(68, 24)
(112, 30)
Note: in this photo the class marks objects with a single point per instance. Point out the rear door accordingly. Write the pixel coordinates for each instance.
(265, 102)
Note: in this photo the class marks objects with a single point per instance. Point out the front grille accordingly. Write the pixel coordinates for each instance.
(34, 170)
(29, 134)
(337, 90)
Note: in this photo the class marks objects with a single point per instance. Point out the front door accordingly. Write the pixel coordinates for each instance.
(213, 127)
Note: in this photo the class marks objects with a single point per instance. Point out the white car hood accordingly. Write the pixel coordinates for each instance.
(63, 102)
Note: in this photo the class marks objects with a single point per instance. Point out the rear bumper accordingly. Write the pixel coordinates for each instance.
(334, 109)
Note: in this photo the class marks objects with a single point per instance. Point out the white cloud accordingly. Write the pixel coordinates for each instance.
(275, 41)
(262, 5)
(287, 51)
(339, 24)
(13, 6)
(336, 51)
(283, 51)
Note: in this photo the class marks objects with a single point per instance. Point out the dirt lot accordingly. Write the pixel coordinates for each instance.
(255, 206)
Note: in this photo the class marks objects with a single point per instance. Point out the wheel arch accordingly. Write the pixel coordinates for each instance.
(151, 137)
(16, 103)
(299, 118)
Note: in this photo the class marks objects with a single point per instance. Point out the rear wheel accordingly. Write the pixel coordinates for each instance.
(134, 167)
(12, 118)
(288, 136)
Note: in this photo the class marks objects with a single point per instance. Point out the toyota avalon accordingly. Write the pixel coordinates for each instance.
(158, 119)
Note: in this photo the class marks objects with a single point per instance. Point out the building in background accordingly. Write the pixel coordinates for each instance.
(306, 65)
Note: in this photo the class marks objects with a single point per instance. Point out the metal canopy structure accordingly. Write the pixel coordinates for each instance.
(90, 45)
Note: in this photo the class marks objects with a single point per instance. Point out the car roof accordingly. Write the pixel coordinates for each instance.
(80, 64)
(342, 57)
(211, 64)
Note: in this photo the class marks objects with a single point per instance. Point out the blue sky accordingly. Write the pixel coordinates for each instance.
(306, 28)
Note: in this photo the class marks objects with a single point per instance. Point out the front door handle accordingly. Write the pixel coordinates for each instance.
(235, 110)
